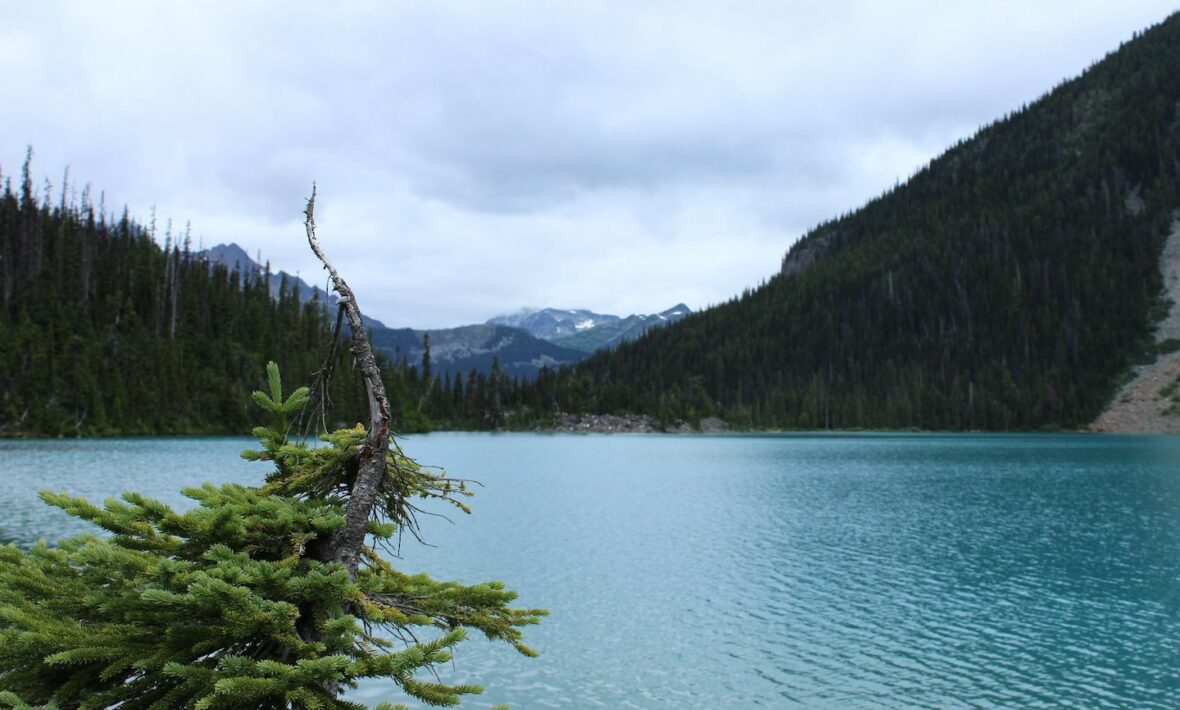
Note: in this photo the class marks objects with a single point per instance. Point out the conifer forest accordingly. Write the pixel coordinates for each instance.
(1008, 285)
(110, 327)
(911, 447)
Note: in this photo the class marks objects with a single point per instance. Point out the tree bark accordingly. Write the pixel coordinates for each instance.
(346, 544)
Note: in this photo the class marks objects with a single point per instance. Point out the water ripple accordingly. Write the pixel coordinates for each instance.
(772, 571)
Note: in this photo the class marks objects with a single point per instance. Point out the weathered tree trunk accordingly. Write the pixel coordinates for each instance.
(345, 546)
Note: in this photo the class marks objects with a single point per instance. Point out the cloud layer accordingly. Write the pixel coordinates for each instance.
(474, 158)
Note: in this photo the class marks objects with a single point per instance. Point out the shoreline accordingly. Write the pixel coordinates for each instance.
(627, 424)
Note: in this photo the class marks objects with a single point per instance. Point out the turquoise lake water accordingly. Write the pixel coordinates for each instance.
(766, 571)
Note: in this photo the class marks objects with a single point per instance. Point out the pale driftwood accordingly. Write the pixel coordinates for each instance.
(347, 543)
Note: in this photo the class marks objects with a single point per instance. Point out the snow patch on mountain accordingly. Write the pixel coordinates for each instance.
(586, 330)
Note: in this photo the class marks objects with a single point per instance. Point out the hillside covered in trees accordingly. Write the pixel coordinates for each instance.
(1007, 285)
(104, 330)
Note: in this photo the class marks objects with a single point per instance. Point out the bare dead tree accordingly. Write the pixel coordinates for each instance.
(347, 543)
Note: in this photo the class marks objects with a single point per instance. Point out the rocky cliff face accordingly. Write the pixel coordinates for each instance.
(806, 252)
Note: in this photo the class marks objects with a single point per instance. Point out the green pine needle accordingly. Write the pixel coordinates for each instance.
(223, 605)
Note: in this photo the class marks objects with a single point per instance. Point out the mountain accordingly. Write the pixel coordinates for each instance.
(475, 347)
(235, 258)
(522, 343)
(584, 330)
(232, 257)
(1008, 284)
(454, 350)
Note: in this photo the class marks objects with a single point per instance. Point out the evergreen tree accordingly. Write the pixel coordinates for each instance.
(1009, 284)
(227, 605)
(269, 596)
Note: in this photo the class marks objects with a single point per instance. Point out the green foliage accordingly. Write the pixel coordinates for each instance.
(227, 605)
(1171, 394)
(1006, 285)
(1168, 346)
(103, 331)
(12, 700)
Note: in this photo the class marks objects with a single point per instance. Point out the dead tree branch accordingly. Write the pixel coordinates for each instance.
(321, 400)
(347, 543)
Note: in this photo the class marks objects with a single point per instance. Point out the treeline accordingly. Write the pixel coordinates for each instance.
(1007, 285)
(426, 399)
(105, 331)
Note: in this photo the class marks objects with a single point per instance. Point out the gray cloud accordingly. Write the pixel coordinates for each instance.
(475, 157)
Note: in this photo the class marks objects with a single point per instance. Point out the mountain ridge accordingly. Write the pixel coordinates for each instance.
(519, 344)
(585, 330)
(1006, 285)
(478, 347)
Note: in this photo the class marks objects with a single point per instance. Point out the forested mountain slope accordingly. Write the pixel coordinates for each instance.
(456, 351)
(1006, 285)
(103, 331)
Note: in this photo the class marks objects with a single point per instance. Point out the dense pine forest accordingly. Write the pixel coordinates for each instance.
(106, 331)
(1007, 285)
(110, 328)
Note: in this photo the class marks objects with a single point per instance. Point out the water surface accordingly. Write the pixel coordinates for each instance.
(767, 571)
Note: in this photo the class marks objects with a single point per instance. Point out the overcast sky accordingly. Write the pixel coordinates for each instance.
(475, 158)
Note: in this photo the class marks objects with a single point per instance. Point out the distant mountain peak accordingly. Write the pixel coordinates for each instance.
(234, 256)
(586, 330)
(231, 255)
(523, 341)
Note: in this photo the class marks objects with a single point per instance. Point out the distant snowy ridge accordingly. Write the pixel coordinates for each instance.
(585, 330)
(522, 343)
(453, 350)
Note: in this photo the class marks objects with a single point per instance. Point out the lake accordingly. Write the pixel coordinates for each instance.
(766, 571)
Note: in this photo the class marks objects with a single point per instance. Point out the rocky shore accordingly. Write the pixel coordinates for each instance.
(1148, 403)
(626, 424)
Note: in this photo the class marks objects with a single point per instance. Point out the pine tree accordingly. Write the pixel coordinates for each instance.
(270, 596)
